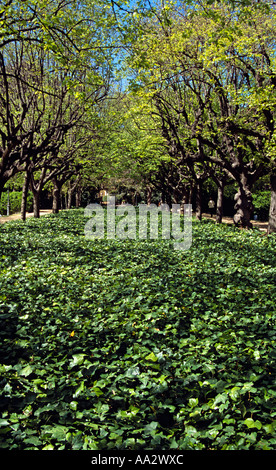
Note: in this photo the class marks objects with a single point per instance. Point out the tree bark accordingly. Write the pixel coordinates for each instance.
(56, 196)
(78, 198)
(199, 200)
(272, 210)
(244, 205)
(149, 193)
(25, 190)
(36, 190)
(191, 191)
(71, 190)
(163, 196)
(36, 201)
(69, 198)
(2, 184)
(219, 212)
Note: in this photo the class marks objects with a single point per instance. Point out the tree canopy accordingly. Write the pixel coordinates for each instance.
(142, 96)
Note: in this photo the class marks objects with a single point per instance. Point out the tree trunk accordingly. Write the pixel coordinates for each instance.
(272, 210)
(185, 196)
(69, 198)
(1, 189)
(199, 200)
(36, 190)
(78, 198)
(244, 205)
(71, 190)
(191, 192)
(56, 196)
(36, 201)
(149, 194)
(25, 190)
(219, 213)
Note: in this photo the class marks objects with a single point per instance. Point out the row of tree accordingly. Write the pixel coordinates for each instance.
(198, 99)
(55, 73)
(204, 81)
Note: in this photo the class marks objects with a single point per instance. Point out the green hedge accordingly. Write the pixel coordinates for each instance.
(15, 202)
(261, 201)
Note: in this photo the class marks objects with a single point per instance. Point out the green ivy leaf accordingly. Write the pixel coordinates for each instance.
(26, 371)
(77, 360)
(250, 423)
(151, 357)
(79, 390)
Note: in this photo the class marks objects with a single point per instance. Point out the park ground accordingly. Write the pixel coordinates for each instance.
(132, 345)
(226, 220)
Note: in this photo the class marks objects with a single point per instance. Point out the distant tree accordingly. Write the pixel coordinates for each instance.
(212, 82)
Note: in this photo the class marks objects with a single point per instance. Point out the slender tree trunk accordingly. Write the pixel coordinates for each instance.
(56, 196)
(149, 194)
(72, 188)
(272, 210)
(69, 198)
(1, 189)
(3, 181)
(36, 190)
(244, 205)
(185, 196)
(199, 200)
(219, 213)
(78, 197)
(191, 191)
(169, 199)
(25, 190)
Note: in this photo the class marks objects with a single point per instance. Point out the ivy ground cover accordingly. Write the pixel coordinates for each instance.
(114, 344)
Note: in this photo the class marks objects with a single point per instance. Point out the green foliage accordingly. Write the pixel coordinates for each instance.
(128, 344)
(15, 198)
(261, 201)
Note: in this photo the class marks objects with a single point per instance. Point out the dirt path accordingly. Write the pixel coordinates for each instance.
(17, 216)
(228, 220)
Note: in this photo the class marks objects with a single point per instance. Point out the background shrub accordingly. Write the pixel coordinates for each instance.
(261, 201)
(15, 202)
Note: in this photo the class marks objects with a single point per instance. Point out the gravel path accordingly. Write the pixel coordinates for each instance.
(227, 220)
(16, 216)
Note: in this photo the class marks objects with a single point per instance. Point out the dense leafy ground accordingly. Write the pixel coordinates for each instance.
(133, 345)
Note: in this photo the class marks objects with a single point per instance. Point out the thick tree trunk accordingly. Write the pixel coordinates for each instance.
(272, 210)
(36, 202)
(219, 212)
(25, 190)
(199, 200)
(243, 206)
